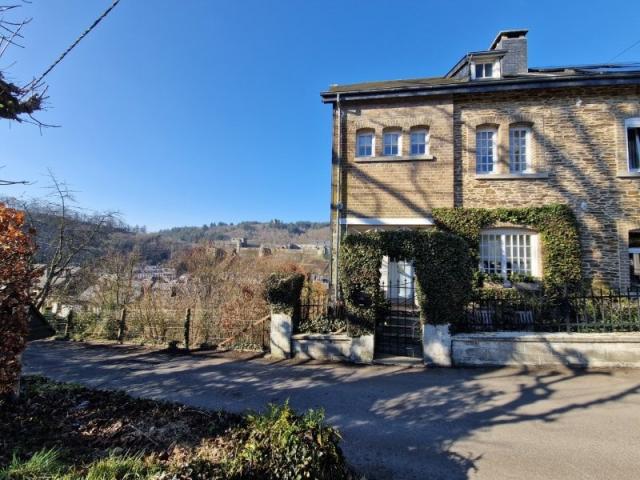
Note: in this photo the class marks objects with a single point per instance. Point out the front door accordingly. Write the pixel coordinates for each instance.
(400, 332)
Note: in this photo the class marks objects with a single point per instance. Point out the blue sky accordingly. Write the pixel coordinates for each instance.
(193, 111)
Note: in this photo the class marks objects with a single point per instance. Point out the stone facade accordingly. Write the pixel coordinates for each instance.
(578, 145)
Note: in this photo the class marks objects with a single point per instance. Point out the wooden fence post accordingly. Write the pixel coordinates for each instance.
(187, 328)
(122, 326)
(68, 325)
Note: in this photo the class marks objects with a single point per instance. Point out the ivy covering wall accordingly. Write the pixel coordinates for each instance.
(555, 223)
(446, 260)
(443, 269)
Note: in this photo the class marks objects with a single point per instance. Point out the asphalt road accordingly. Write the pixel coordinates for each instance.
(399, 423)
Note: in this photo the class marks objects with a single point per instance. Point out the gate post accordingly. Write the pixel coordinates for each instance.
(280, 335)
(436, 341)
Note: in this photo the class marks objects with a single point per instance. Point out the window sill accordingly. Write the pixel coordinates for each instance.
(396, 158)
(512, 176)
(628, 175)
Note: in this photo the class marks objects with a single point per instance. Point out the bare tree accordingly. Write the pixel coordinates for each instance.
(74, 236)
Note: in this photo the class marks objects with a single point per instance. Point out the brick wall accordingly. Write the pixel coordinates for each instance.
(579, 156)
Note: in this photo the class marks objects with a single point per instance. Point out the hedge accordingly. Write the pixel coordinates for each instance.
(443, 273)
(556, 224)
(282, 291)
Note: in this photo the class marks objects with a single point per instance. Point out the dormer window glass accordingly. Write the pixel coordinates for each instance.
(484, 70)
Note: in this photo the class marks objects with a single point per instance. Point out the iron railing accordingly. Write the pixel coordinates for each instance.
(611, 311)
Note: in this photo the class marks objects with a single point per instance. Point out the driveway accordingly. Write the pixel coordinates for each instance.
(399, 422)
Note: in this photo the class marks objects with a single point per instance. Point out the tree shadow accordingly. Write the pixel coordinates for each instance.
(396, 422)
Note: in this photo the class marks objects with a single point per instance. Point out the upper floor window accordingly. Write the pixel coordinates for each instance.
(391, 143)
(483, 70)
(632, 126)
(519, 149)
(365, 144)
(486, 151)
(506, 252)
(419, 142)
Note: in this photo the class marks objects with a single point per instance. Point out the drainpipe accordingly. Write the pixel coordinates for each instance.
(338, 206)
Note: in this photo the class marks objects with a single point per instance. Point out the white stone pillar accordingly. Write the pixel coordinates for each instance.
(280, 335)
(436, 341)
(361, 350)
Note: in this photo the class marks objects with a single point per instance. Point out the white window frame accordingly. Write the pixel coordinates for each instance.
(415, 131)
(527, 146)
(398, 145)
(359, 135)
(631, 123)
(494, 150)
(503, 233)
(495, 69)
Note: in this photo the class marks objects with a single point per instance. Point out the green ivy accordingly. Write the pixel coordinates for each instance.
(282, 292)
(556, 224)
(443, 273)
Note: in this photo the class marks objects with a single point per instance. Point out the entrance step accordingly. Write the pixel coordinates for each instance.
(399, 361)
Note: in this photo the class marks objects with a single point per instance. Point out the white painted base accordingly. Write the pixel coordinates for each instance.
(598, 350)
(280, 335)
(333, 347)
(436, 341)
(361, 349)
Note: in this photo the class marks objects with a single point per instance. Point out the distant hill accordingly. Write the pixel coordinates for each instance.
(274, 232)
(158, 247)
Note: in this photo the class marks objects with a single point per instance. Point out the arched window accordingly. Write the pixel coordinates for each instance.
(486, 149)
(509, 251)
(392, 142)
(419, 137)
(519, 149)
(365, 143)
(632, 127)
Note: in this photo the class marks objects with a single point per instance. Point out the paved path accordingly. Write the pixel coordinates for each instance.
(400, 423)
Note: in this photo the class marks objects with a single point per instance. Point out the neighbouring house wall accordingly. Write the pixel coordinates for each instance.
(547, 349)
(579, 155)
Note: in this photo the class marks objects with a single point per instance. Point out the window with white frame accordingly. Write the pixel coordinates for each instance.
(519, 149)
(397, 279)
(419, 142)
(391, 143)
(486, 151)
(632, 126)
(365, 144)
(505, 252)
(484, 70)
(634, 258)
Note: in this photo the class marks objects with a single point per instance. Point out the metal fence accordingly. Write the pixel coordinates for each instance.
(592, 312)
(196, 329)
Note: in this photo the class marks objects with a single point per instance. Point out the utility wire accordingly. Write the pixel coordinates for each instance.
(625, 50)
(73, 45)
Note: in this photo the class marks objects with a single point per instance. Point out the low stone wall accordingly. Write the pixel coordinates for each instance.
(339, 347)
(545, 349)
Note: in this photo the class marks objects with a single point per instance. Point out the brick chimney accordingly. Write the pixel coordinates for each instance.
(514, 42)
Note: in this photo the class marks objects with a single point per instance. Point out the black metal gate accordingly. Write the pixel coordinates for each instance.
(400, 332)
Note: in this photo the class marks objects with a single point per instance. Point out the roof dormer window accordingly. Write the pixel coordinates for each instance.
(484, 70)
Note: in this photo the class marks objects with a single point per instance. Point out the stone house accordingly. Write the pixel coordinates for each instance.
(493, 132)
